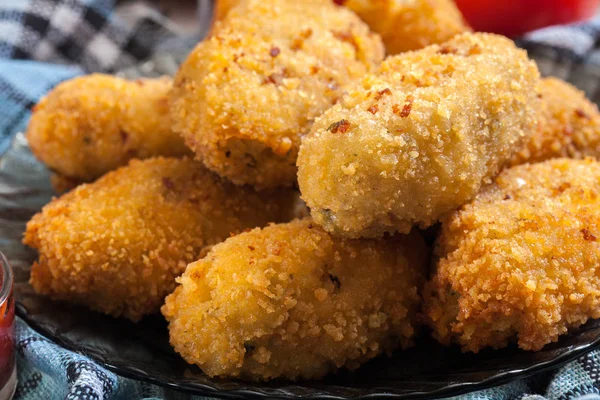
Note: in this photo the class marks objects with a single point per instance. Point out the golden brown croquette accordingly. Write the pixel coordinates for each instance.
(521, 262)
(410, 24)
(569, 125)
(403, 25)
(116, 245)
(291, 301)
(93, 124)
(245, 95)
(418, 139)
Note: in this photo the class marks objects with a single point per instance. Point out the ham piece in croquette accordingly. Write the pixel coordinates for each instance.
(291, 301)
(117, 245)
(521, 262)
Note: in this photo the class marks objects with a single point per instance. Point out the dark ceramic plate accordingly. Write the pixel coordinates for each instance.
(142, 350)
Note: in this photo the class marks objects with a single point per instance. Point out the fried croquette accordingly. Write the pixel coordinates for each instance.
(569, 125)
(403, 25)
(418, 139)
(410, 24)
(93, 124)
(116, 245)
(246, 95)
(291, 301)
(521, 262)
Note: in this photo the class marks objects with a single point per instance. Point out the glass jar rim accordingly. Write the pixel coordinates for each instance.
(7, 279)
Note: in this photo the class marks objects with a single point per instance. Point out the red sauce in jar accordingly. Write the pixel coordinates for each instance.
(7, 331)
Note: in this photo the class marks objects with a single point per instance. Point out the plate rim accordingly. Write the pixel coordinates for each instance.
(206, 390)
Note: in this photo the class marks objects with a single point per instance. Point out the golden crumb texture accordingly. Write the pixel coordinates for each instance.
(93, 124)
(245, 95)
(569, 125)
(403, 25)
(521, 262)
(290, 301)
(417, 139)
(410, 24)
(117, 245)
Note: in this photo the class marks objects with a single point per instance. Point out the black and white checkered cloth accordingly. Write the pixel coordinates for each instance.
(89, 33)
(569, 52)
(70, 37)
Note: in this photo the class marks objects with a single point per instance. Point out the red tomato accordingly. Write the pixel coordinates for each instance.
(515, 17)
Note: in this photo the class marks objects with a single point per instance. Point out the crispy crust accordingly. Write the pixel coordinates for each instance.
(116, 245)
(90, 125)
(520, 262)
(569, 125)
(403, 25)
(419, 138)
(245, 96)
(291, 301)
(410, 25)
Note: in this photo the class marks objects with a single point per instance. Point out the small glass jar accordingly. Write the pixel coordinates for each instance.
(8, 370)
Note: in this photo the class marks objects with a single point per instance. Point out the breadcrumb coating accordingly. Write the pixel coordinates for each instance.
(521, 261)
(93, 124)
(403, 25)
(290, 301)
(410, 24)
(419, 138)
(245, 96)
(116, 245)
(569, 125)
